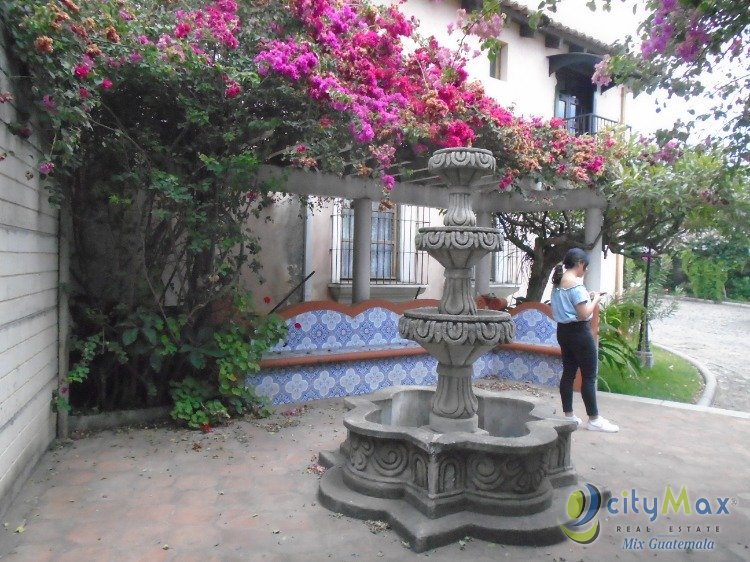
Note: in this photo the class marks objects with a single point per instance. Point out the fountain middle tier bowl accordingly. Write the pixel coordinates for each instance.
(458, 247)
(456, 340)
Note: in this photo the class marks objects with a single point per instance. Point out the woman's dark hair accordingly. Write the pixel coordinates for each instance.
(571, 259)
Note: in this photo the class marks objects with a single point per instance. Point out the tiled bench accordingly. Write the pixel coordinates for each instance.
(335, 350)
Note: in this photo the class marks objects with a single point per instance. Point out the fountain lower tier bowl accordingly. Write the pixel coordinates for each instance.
(505, 483)
(456, 340)
(458, 247)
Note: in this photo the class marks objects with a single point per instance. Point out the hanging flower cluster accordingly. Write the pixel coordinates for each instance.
(347, 60)
(679, 27)
(353, 62)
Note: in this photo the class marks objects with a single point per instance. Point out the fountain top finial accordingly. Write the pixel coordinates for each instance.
(461, 167)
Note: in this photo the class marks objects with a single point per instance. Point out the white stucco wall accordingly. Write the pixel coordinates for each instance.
(280, 230)
(28, 303)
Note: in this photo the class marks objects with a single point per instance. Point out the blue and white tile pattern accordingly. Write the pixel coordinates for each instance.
(327, 331)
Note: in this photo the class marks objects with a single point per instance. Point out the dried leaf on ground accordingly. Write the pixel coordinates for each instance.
(377, 526)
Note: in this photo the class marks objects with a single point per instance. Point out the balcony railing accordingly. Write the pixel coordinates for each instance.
(590, 124)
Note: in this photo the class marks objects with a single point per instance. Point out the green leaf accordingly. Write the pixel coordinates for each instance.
(129, 336)
(151, 335)
(197, 359)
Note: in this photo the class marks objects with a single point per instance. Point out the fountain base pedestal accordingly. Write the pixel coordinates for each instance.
(425, 533)
(509, 481)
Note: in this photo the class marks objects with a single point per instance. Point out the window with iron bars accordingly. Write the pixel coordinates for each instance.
(394, 259)
(508, 266)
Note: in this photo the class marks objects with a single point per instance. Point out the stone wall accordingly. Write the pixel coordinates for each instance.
(29, 283)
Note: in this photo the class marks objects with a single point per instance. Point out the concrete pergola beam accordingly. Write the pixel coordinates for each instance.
(436, 196)
(485, 201)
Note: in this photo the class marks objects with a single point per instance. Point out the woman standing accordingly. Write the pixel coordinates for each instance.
(572, 308)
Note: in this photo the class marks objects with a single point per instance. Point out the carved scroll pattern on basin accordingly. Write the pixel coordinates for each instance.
(471, 158)
(489, 473)
(390, 458)
(434, 239)
(419, 472)
(450, 474)
(529, 472)
(360, 449)
(424, 330)
(559, 457)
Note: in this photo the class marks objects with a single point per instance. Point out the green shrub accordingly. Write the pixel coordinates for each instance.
(707, 276)
(617, 323)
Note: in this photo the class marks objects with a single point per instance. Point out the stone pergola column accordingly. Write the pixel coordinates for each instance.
(483, 268)
(361, 250)
(593, 228)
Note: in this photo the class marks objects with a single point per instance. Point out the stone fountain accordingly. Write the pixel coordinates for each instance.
(440, 464)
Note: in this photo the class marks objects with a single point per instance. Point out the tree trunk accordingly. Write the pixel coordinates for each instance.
(547, 254)
(539, 274)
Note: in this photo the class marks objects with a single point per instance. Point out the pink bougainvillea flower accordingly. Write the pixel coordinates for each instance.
(84, 93)
(233, 89)
(297, 325)
(46, 168)
(50, 103)
(70, 5)
(182, 30)
(82, 71)
(267, 300)
(505, 182)
(106, 84)
(125, 15)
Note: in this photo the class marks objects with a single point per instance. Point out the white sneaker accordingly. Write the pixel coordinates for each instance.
(601, 424)
(576, 419)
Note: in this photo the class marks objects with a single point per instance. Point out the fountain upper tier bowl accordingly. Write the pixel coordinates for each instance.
(462, 166)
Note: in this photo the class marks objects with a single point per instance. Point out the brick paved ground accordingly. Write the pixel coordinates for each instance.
(248, 493)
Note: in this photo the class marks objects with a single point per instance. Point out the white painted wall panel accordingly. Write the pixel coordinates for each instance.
(22, 384)
(24, 263)
(23, 241)
(16, 332)
(17, 286)
(29, 283)
(23, 441)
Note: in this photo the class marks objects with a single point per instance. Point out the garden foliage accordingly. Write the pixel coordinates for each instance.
(157, 115)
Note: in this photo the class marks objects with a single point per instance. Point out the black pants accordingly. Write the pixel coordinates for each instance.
(578, 352)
